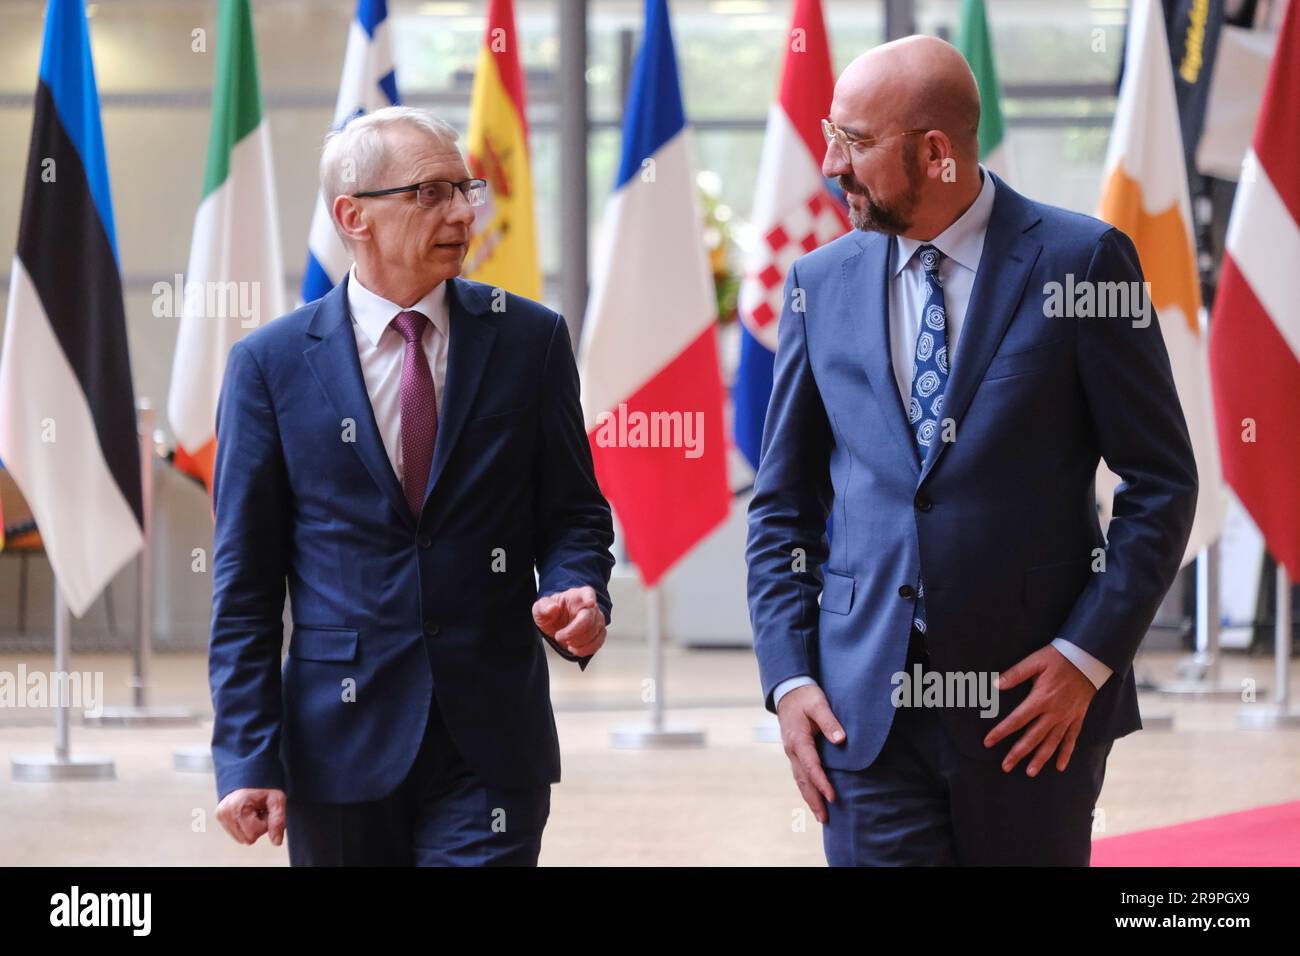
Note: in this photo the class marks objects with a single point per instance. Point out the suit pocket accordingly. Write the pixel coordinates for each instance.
(323, 644)
(1040, 358)
(837, 592)
(499, 419)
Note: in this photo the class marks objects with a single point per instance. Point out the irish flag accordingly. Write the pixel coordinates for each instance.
(235, 279)
(503, 251)
(1255, 335)
(1145, 195)
(976, 45)
(651, 385)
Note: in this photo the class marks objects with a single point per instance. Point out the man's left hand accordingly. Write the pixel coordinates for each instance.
(1053, 712)
(572, 619)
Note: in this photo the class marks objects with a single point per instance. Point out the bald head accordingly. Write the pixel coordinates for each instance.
(918, 82)
(907, 152)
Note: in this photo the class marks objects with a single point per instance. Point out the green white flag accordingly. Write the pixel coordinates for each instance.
(977, 46)
(235, 279)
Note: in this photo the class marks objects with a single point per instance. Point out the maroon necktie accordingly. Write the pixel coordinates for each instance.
(419, 410)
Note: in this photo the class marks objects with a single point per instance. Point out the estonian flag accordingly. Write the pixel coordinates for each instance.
(67, 408)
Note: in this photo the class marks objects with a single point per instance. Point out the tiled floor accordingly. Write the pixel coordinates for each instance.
(731, 802)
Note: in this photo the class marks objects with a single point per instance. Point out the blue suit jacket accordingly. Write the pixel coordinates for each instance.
(1001, 523)
(387, 610)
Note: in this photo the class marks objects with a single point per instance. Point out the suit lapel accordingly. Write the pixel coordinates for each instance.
(337, 367)
(870, 333)
(1005, 265)
(468, 351)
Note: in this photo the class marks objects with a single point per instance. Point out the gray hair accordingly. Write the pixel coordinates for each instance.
(354, 155)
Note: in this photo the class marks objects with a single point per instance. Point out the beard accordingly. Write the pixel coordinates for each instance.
(890, 218)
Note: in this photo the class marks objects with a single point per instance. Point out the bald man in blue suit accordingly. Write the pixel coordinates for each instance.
(935, 406)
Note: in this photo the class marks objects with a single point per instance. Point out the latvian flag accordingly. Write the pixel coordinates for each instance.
(67, 408)
(1255, 332)
(368, 84)
(651, 385)
(795, 211)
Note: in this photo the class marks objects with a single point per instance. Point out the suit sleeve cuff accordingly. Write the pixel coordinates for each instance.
(788, 685)
(1093, 669)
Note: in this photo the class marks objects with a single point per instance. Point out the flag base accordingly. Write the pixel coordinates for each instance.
(45, 768)
(1268, 718)
(141, 717)
(656, 738)
(193, 759)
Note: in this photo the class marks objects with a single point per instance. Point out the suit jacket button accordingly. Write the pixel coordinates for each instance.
(906, 591)
(424, 541)
(923, 503)
(431, 628)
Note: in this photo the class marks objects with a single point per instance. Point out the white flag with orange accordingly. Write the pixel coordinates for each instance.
(1145, 195)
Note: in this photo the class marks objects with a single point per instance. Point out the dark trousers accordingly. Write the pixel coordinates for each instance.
(924, 803)
(442, 814)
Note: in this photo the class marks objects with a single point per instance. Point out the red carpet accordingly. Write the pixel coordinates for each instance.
(1264, 836)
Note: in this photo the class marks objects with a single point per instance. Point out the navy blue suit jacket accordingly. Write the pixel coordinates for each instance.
(1001, 523)
(388, 610)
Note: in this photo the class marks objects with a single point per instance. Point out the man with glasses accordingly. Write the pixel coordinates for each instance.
(408, 451)
(932, 405)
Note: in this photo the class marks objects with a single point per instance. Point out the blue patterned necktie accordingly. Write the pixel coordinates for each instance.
(929, 378)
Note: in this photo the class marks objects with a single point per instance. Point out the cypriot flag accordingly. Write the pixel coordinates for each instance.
(1145, 195)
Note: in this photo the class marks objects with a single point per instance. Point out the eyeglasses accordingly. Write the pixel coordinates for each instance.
(433, 193)
(842, 139)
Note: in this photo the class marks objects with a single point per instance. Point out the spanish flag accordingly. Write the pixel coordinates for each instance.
(503, 251)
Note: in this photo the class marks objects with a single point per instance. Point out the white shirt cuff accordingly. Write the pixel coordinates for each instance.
(788, 685)
(1093, 669)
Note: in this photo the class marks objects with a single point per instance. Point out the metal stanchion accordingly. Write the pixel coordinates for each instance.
(1280, 714)
(140, 713)
(1200, 671)
(62, 764)
(657, 734)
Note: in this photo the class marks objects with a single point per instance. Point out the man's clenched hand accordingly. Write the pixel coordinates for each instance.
(572, 619)
(248, 813)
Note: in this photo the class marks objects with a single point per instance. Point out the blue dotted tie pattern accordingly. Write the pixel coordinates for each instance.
(929, 378)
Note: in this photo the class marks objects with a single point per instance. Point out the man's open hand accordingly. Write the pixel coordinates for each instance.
(1053, 711)
(248, 813)
(572, 619)
(801, 713)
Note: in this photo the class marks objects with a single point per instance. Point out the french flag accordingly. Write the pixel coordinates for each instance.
(369, 83)
(652, 392)
(795, 210)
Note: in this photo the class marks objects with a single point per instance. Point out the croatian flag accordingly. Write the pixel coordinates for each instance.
(795, 210)
(651, 387)
(368, 84)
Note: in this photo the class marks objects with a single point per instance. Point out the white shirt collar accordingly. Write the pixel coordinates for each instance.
(963, 241)
(374, 313)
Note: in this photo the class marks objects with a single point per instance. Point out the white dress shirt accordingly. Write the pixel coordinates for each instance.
(381, 349)
(962, 245)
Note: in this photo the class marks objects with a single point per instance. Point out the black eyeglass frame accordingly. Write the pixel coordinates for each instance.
(462, 187)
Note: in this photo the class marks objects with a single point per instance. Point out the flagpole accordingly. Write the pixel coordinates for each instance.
(1280, 714)
(62, 764)
(139, 713)
(658, 734)
(1199, 673)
